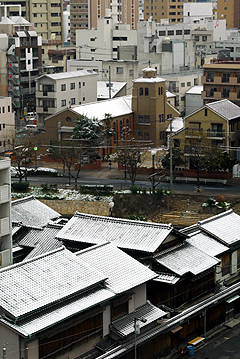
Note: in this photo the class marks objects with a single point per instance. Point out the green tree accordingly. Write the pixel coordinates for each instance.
(177, 158)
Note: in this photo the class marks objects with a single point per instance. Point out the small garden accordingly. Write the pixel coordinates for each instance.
(218, 202)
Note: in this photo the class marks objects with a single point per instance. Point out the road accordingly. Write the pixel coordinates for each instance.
(119, 183)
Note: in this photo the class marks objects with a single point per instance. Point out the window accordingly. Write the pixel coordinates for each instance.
(63, 87)
(146, 91)
(68, 119)
(170, 32)
(162, 33)
(176, 142)
(204, 38)
(79, 85)
(161, 118)
(93, 39)
(34, 15)
(187, 32)
(119, 70)
(205, 111)
(72, 86)
(130, 72)
(196, 38)
(188, 83)
(93, 50)
(144, 119)
(183, 98)
(9, 109)
(63, 103)
(183, 84)
(226, 264)
(83, 83)
(178, 32)
(34, 5)
(73, 101)
(141, 91)
(3, 110)
(161, 135)
(83, 99)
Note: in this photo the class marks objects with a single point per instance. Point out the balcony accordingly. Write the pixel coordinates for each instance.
(217, 135)
(4, 193)
(217, 80)
(232, 96)
(193, 132)
(233, 81)
(45, 110)
(4, 226)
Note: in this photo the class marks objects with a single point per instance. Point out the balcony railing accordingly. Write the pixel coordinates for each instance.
(213, 133)
(4, 193)
(4, 226)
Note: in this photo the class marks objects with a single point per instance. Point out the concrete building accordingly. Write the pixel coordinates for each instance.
(196, 11)
(23, 49)
(229, 10)
(46, 16)
(103, 42)
(85, 15)
(164, 9)
(57, 91)
(206, 32)
(5, 213)
(193, 99)
(7, 124)
(109, 70)
(221, 80)
(180, 83)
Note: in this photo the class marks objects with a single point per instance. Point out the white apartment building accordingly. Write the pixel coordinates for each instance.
(7, 124)
(57, 91)
(103, 43)
(109, 70)
(5, 213)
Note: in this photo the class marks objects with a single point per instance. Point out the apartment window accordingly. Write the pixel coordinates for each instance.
(205, 111)
(79, 85)
(178, 32)
(204, 38)
(161, 135)
(93, 50)
(63, 87)
(9, 109)
(187, 32)
(172, 13)
(3, 110)
(172, 6)
(183, 98)
(146, 91)
(131, 72)
(170, 32)
(162, 33)
(188, 83)
(161, 118)
(34, 5)
(83, 83)
(225, 8)
(73, 101)
(183, 84)
(63, 103)
(83, 99)
(196, 38)
(34, 15)
(141, 91)
(119, 70)
(144, 119)
(226, 262)
(93, 39)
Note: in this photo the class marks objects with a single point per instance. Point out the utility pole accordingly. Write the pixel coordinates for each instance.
(171, 164)
(109, 81)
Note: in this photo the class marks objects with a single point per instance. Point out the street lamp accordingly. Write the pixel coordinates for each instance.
(171, 155)
(111, 205)
(137, 331)
(153, 153)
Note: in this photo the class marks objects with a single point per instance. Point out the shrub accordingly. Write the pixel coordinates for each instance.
(96, 189)
(137, 217)
(134, 189)
(20, 186)
(144, 190)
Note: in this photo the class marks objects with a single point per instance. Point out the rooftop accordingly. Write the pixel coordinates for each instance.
(225, 108)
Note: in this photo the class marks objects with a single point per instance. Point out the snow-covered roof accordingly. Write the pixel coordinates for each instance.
(225, 108)
(186, 258)
(123, 233)
(206, 243)
(224, 226)
(67, 75)
(42, 281)
(149, 79)
(177, 124)
(103, 89)
(31, 212)
(170, 94)
(166, 278)
(122, 271)
(6, 20)
(195, 90)
(125, 325)
(20, 20)
(119, 106)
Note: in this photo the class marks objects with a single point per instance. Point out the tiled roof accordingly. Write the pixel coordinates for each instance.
(50, 317)
(31, 285)
(134, 235)
(122, 270)
(31, 212)
(186, 258)
(206, 243)
(125, 325)
(166, 278)
(224, 226)
(225, 108)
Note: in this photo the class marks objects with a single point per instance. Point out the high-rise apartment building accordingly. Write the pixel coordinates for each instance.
(85, 13)
(230, 11)
(164, 9)
(45, 15)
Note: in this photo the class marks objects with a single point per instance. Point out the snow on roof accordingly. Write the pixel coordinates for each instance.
(6, 20)
(166, 278)
(225, 108)
(20, 20)
(195, 90)
(123, 233)
(103, 89)
(72, 74)
(31, 212)
(186, 258)
(206, 243)
(149, 80)
(224, 226)
(170, 94)
(123, 271)
(118, 106)
(39, 282)
(125, 325)
(177, 124)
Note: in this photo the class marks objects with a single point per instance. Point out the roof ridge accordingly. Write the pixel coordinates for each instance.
(24, 199)
(124, 220)
(217, 216)
(92, 248)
